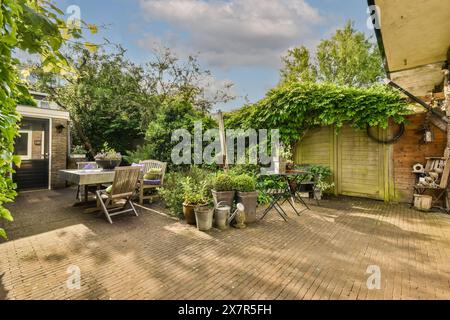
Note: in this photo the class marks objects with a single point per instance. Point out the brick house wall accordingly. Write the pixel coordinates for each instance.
(59, 151)
(408, 151)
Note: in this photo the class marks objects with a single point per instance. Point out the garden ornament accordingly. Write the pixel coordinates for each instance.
(239, 216)
(418, 168)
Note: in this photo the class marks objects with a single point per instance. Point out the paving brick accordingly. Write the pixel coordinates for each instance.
(323, 254)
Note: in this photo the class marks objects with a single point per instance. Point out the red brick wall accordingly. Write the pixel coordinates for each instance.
(408, 151)
(59, 151)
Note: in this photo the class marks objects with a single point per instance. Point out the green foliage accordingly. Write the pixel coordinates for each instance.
(321, 175)
(251, 169)
(297, 66)
(194, 193)
(113, 97)
(26, 100)
(173, 114)
(298, 106)
(172, 193)
(78, 150)
(223, 182)
(173, 190)
(347, 58)
(108, 153)
(265, 183)
(34, 27)
(106, 100)
(317, 172)
(323, 185)
(245, 183)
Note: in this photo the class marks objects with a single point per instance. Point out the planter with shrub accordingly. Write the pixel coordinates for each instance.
(222, 191)
(78, 153)
(321, 176)
(245, 186)
(194, 197)
(108, 158)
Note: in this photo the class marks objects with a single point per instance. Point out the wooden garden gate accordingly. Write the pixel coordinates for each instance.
(360, 165)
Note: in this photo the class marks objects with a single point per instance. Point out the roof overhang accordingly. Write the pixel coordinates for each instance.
(414, 39)
(34, 112)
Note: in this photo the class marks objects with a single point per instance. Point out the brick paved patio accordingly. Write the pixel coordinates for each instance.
(324, 254)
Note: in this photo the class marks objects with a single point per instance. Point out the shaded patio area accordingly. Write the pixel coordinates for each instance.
(323, 254)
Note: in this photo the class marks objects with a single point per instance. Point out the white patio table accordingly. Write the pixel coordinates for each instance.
(87, 178)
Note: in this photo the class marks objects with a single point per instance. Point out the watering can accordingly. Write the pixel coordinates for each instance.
(221, 215)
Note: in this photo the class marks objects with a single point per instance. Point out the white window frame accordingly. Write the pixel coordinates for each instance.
(29, 144)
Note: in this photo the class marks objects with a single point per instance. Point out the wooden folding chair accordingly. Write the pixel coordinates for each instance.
(123, 188)
(143, 185)
(440, 191)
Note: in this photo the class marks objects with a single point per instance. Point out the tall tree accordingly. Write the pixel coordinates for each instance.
(35, 27)
(349, 58)
(106, 99)
(297, 66)
(169, 76)
(111, 97)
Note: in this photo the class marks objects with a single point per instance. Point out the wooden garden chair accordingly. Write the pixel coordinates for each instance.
(150, 184)
(439, 192)
(122, 190)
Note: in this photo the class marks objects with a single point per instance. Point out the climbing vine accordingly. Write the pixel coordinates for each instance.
(296, 107)
(34, 27)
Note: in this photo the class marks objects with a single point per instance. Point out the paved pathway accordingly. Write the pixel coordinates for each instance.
(324, 254)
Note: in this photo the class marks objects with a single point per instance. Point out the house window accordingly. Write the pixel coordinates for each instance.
(23, 145)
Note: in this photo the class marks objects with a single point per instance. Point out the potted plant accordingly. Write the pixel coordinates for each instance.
(194, 196)
(108, 158)
(78, 152)
(321, 176)
(245, 186)
(320, 187)
(223, 190)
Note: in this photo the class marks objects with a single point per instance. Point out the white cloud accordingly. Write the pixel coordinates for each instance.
(233, 32)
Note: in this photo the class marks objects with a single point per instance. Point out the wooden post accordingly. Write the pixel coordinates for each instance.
(223, 140)
(447, 109)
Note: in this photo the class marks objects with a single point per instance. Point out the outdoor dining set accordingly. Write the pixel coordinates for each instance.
(116, 188)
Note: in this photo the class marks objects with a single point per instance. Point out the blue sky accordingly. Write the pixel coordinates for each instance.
(240, 41)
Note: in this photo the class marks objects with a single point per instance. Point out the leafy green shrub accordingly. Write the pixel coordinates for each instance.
(194, 193)
(173, 190)
(172, 114)
(172, 193)
(108, 153)
(78, 150)
(245, 183)
(320, 172)
(250, 169)
(223, 182)
(26, 100)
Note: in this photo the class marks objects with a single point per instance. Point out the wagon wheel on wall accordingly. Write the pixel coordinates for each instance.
(372, 132)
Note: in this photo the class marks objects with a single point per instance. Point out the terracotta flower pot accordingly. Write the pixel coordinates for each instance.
(189, 213)
(250, 201)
